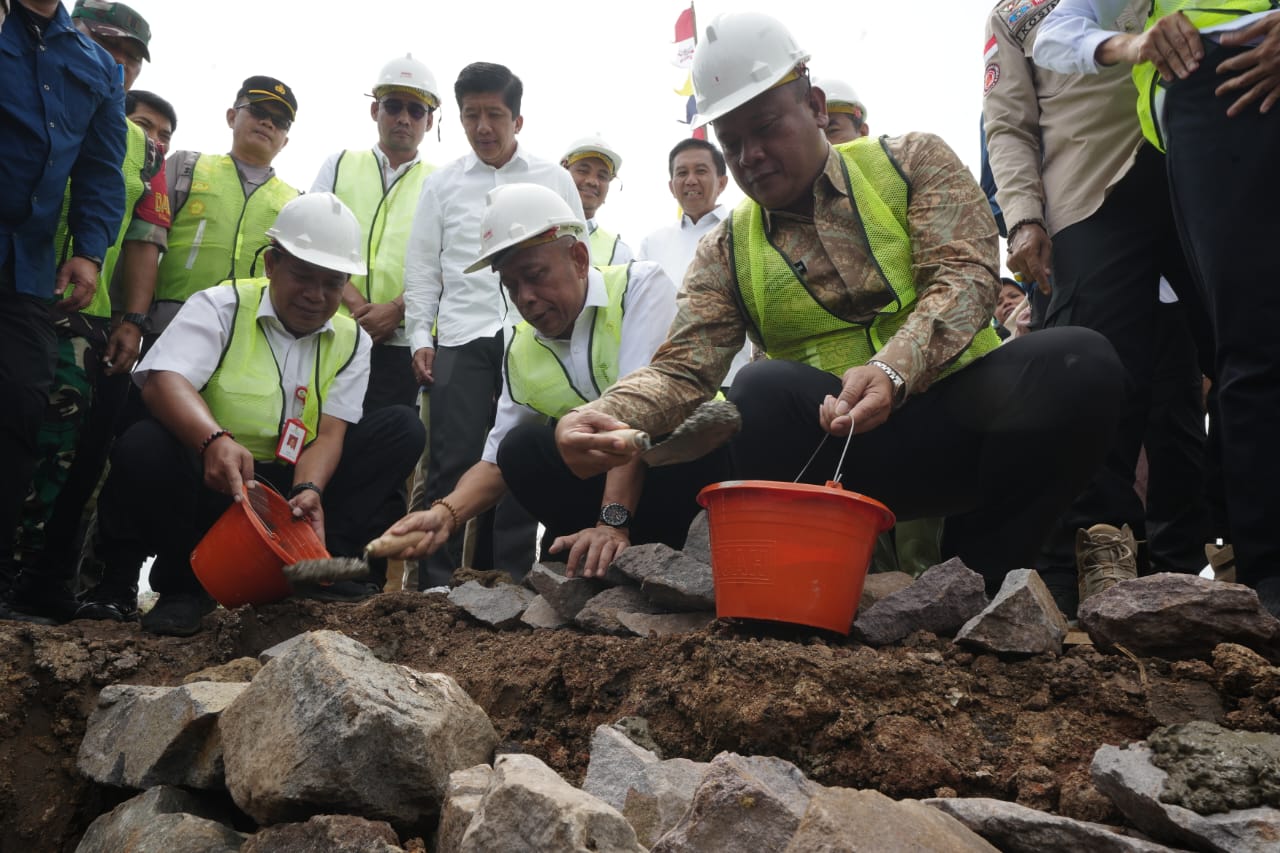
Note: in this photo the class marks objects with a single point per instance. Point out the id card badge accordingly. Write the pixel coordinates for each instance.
(292, 440)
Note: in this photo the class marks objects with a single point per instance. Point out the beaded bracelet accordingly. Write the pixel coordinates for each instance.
(452, 512)
(204, 445)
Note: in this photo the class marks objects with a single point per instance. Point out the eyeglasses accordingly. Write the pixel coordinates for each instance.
(260, 112)
(394, 107)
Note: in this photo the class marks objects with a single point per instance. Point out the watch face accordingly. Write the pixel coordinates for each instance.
(615, 515)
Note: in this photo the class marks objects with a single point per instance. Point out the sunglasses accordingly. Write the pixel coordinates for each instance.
(260, 112)
(394, 107)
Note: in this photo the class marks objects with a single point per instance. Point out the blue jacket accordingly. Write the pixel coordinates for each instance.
(61, 116)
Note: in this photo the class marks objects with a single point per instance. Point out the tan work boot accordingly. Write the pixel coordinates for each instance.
(1222, 559)
(1105, 556)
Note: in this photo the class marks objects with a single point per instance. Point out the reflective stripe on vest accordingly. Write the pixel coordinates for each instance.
(603, 245)
(792, 324)
(386, 216)
(1202, 14)
(219, 230)
(135, 160)
(537, 379)
(245, 394)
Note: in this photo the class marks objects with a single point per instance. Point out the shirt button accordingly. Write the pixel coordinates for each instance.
(46, 87)
(53, 124)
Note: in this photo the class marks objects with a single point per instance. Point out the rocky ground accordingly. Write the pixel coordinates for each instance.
(918, 719)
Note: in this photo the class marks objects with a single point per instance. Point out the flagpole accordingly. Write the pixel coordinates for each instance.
(697, 132)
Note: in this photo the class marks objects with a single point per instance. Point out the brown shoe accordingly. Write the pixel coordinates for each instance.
(1105, 556)
(1222, 559)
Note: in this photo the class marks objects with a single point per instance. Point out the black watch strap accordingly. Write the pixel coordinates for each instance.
(615, 515)
(142, 321)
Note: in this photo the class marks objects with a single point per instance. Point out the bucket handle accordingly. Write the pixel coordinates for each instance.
(839, 465)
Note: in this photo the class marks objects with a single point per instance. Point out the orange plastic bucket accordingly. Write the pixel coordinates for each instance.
(791, 552)
(240, 558)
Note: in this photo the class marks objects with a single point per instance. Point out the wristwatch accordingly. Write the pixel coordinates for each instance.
(615, 515)
(899, 384)
(142, 321)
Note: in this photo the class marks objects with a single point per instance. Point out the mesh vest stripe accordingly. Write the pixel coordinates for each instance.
(603, 245)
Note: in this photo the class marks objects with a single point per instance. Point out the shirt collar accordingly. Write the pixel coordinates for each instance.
(716, 214)
(830, 180)
(267, 312)
(597, 297)
(385, 162)
(474, 162)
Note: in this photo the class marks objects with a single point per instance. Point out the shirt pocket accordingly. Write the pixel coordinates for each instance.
(84, 88)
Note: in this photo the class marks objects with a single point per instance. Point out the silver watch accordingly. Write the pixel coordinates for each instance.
(899, 384)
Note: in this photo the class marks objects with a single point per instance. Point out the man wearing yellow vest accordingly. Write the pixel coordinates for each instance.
(593, 165)
(381, 185)
(1208, 79)
(584, 327)
(868, 274)
(224, 203)
(259, 378)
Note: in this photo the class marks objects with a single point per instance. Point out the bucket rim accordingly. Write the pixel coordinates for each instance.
(259, 527)
(806, 489)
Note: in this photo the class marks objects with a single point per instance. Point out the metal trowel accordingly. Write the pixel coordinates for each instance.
(331, 569)
(712, 424)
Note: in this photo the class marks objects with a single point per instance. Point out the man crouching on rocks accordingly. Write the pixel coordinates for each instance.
(257, 378)
(584, 327)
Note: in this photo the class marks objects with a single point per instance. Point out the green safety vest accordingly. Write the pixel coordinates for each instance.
(219, 230)
(795, 326)
(537, 379)
(603, 245)
(246, 394)
(1201, 13)
(135, 160)
(386, 216)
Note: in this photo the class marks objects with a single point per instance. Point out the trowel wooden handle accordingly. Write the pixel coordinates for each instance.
(637, 438)
(389, 544)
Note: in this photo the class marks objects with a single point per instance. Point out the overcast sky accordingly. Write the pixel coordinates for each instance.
(602, 67)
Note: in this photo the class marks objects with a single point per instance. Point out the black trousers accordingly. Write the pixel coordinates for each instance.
(391, 379)
(1225, 178)
(468, 379)
(999, 448)
(1107, 271)
(28, 352)
(155, 500)
(538, 478)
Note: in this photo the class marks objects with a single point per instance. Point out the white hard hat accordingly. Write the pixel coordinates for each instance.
(522, 213)
(409, 74)
(319, 229)
(741, 55)
(841, 93)
(593, 146)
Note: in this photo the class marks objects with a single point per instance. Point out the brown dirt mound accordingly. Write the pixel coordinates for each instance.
(917, 720)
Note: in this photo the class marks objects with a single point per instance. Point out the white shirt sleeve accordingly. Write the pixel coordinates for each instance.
(1069, 37)
(510, 414)
(192, 344)
(650, 306)
(327, 175)
(345, 400)
(568, 190)
(423, 273)
(622, 253)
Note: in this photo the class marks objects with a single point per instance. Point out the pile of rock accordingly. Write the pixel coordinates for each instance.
(328, 748)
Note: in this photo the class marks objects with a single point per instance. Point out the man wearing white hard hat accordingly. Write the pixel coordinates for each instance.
(584, 327)
(868, 273)
(381, 185)
(593, 165)
(846, 116)
(259, 378)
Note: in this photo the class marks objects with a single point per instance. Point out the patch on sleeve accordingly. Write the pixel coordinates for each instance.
(990, 50)
(1022, 16)
(990, 78)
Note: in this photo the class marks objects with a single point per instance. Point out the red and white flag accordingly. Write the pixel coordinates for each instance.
(685, 39)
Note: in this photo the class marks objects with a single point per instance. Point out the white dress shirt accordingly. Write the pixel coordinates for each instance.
(193, 343)
(649, 306)
(446, 240)
(621, 251)
(1070, 36)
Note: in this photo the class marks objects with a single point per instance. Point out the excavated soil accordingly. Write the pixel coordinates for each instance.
(922, 719)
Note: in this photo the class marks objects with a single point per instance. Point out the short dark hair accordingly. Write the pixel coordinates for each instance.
(691, 142)
(150, 99)
(481, 78)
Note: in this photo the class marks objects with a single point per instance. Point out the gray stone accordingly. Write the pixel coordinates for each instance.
(566, 595)
(330, 833)
(664, 624)
(500, 606)
(540, 614)
(163, 819)
(1215, 770)
(697, 543)
(941, 600)
(461, 802)
(639, 562)
(880, 585)
(842, 820)
(528, 807)
(1021, 619)
(268, 655)
(743, 803)
(1018, 829)
(328, 728)
(1134, 784)
(139, 737)
(651, 794)
(1177, 616)
(684, 585)
(600, 614)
